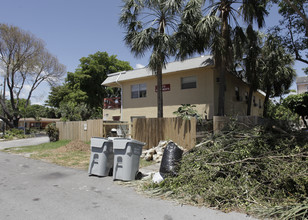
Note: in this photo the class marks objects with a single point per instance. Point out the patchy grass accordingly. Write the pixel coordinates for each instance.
(74, 154)
(37, 148)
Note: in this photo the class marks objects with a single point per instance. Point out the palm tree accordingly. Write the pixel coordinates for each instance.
(215, 31)
(247, 48)
(150, 25)
(276, 68)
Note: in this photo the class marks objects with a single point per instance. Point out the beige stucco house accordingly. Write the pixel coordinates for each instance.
(302, 84)
(193, 81)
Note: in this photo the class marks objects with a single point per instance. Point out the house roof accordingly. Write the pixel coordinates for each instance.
(193, 63)
(302, 80)
(40, 120)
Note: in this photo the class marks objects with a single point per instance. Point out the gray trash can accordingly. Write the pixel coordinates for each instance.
(126, 158)
(101, 160)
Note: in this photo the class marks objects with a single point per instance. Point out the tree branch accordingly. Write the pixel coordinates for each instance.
(299, 13)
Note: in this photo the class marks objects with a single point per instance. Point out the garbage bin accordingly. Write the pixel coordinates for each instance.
(101, 160)
(126, 158)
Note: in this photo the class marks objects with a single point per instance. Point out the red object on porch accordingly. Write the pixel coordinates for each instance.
(111, 103)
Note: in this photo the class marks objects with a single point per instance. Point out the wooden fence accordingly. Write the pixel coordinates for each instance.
(153, 130)
(80, 130)
(85, 130)
(148, 130)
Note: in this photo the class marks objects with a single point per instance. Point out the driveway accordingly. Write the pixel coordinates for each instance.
(24, 142)
(32, 189)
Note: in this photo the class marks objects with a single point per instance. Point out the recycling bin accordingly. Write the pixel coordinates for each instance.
(126, 158)
(101, 160)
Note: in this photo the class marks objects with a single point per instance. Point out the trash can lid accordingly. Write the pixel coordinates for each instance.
(120, 143)
(98, 142)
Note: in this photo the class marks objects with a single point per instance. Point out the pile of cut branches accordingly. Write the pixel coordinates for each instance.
(263, 171)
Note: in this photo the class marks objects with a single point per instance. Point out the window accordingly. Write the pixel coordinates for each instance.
(189, 82)
(139, 91)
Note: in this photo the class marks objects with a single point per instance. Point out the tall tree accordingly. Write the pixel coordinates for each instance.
(276, 68)
(149, 26)
(247, 51)
(293, 28)
(92, 71)
(81, 96)
(218, 38)
(26, 64)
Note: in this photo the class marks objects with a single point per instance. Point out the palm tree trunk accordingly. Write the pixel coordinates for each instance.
(224, 57)
(249, 100)
(159, 93)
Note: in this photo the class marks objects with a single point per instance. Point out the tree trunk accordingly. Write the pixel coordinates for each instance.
(159, 93)
(224, 57)
(249, 101)
(265, 105)
(15, 122)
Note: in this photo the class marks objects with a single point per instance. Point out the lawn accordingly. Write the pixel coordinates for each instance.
(74, 154)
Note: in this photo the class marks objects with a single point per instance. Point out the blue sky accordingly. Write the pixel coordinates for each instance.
(73, 29)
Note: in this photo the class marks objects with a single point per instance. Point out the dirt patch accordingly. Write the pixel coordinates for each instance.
(74, 146)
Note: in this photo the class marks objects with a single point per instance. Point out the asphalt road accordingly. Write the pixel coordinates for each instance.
(32, 189)
(24, 142)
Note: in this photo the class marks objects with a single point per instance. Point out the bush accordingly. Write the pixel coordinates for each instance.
(52, 132)
(14, 133)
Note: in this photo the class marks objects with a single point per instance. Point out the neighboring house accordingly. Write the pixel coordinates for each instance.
(193, 81)
(302, 84)
(33, 123)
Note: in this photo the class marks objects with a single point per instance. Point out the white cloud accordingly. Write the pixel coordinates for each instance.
(139, 66)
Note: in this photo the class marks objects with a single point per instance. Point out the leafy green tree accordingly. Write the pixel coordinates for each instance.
(149, 26)
(299, 105)
(212, 31)
(92, 72)
(81, 96)
(276, 68)
(293, 28)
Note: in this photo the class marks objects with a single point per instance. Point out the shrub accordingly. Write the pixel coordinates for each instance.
(14, 133)
(52, 132)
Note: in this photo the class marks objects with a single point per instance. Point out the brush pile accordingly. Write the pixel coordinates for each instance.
(262, 171)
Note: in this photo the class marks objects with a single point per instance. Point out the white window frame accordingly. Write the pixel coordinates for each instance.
(139, 91)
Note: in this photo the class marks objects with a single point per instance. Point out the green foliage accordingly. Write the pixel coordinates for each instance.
(81, 96)
(14, 133)
(298, 104)
(149, 27)
(52, 132)
(253, 169)
(280, 112)
(186, 111)
(293, 29)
